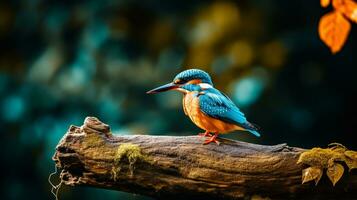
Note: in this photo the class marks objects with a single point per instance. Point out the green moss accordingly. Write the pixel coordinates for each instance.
(130, 152)
(319, 159)
(93, 140)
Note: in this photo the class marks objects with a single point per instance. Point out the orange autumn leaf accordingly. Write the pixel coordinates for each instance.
(324, 3)
(334, 30)
(347, 7)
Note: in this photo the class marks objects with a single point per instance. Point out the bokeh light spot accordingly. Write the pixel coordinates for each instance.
(240, 53)
(13, 108)
(247, 90)
(301, 120)
(274, 54)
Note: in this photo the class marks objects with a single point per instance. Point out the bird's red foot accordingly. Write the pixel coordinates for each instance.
(212, 139)
(205, 134)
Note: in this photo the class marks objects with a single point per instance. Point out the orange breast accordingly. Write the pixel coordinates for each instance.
(192, 109)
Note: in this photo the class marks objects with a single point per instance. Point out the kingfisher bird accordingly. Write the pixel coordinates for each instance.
(207, 107)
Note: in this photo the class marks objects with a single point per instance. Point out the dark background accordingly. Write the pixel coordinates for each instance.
(61, 61)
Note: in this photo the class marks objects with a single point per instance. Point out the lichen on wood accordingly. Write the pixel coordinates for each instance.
(132, 153)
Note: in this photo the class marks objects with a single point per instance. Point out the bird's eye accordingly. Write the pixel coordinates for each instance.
(178, 81)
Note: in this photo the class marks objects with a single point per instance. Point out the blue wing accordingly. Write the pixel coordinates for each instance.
(219, 106)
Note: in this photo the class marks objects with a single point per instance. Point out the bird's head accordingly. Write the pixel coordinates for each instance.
(188, 80)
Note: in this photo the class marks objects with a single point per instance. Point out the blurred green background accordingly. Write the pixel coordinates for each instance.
(61, 61)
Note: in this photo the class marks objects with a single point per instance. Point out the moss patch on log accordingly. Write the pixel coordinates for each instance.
(93, 140)
(130, 152)
(330, 159)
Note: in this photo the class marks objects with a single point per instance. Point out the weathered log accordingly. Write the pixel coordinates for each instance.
(182, 167)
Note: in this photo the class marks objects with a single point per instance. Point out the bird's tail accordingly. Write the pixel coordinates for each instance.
(254, 133)
(252, 128)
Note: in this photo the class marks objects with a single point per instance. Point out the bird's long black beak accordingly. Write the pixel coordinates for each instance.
(163, 88)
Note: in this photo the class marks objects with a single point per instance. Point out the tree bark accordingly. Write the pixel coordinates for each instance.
(182, 167)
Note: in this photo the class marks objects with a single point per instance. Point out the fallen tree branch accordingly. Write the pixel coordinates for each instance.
(181, 167)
